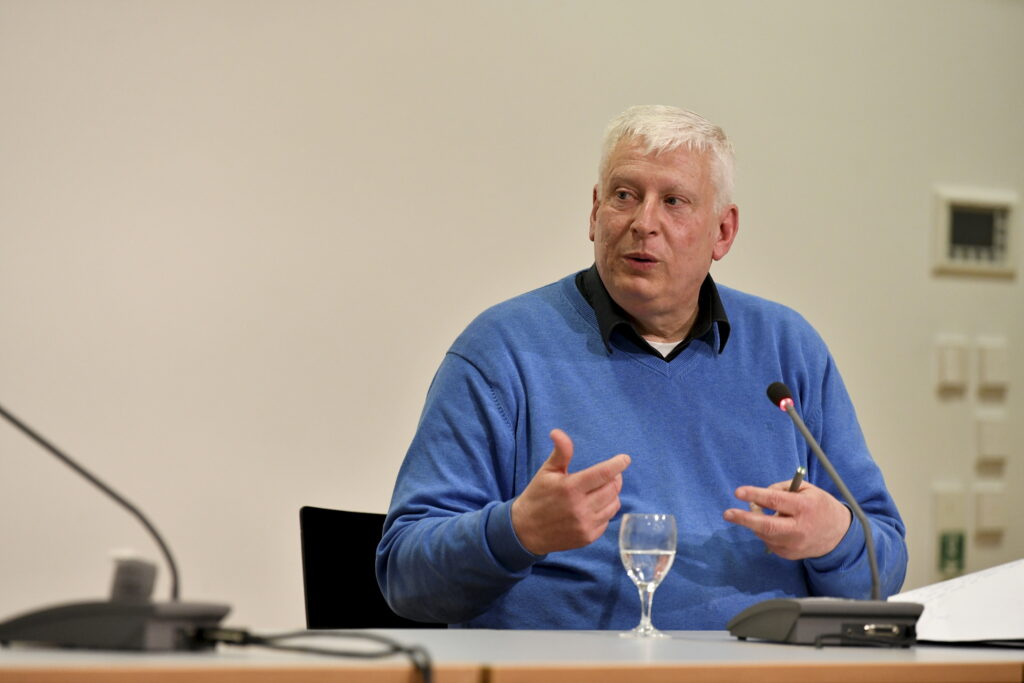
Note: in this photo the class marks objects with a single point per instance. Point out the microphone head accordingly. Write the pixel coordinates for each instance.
(780, 395)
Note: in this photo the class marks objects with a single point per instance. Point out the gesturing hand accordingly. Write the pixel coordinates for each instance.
(808, 523)
(561, 511)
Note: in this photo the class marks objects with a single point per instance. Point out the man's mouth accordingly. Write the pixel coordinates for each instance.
(639, 257)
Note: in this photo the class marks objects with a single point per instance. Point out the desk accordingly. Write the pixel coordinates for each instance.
(486, 656)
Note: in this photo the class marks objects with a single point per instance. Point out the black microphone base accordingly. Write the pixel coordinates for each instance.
(829, 621)
(144, 626)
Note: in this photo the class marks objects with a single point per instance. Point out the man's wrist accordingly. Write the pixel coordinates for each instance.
(517, 523)
(520, 526)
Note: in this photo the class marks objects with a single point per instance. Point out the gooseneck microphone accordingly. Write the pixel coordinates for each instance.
(781, 396)
(822, 621)
(129, 620)
(95, 481)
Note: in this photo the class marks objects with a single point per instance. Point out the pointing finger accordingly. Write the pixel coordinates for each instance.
(596, 476)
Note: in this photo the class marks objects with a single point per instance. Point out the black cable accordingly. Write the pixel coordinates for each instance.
(418, 655)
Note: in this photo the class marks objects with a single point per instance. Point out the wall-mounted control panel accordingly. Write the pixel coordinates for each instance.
(974, 231)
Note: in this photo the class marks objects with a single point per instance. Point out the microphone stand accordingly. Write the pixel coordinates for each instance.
(821, 621)
(869, 539)
(127, 621)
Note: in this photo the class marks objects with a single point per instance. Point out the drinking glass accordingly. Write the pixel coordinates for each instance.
(647, 546)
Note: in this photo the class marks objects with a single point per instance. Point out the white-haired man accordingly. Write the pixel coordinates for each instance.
(640, 362)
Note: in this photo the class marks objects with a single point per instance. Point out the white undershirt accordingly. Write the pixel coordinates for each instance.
(664, 348)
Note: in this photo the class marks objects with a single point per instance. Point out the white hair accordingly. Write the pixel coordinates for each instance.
(663, 129)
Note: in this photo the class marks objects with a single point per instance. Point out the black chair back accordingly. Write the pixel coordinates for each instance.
(338, 577)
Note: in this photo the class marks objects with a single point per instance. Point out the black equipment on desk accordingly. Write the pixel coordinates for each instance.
(829, 621)
(130, 620)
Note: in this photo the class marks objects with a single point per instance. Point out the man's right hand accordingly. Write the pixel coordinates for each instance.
(562, 511)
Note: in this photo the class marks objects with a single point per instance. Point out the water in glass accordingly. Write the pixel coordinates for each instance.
(647, 546)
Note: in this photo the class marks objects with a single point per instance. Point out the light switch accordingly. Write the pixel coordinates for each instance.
(952, 362)
(949, 506)
(991, 512)
(993, 363)
(993, 437)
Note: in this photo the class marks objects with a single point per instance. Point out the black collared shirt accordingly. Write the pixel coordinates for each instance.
(612, 317)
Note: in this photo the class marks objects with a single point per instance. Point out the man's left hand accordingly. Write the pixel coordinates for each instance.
(809, 522)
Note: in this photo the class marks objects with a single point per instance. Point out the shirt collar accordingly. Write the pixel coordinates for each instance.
(611, 316)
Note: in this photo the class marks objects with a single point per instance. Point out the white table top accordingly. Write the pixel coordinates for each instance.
(495, 647)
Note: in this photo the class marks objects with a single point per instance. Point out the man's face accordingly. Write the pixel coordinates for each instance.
(655, 230)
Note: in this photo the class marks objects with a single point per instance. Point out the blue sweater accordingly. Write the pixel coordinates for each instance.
(696, 428)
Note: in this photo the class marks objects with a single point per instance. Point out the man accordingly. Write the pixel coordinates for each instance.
(634, 386)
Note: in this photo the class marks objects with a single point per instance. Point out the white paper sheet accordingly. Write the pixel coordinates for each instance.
(985, 605)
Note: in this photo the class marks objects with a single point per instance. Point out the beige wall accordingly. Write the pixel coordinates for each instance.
(237, 237)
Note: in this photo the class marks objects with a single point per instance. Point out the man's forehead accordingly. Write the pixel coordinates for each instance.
(632, 154)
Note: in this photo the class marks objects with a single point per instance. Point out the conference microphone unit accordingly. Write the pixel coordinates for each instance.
(829, 621)
(129, 620)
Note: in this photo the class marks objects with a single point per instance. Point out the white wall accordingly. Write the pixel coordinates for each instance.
(236, 238)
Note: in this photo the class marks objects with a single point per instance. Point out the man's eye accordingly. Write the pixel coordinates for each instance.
(622, 195)
(673, 201)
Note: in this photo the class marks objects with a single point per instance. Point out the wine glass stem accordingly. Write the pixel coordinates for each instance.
(646, 601)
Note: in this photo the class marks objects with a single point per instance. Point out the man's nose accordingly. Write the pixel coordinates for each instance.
(647, 217)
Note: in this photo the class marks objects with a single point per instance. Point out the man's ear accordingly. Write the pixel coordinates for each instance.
(728, 226)
(593, 214)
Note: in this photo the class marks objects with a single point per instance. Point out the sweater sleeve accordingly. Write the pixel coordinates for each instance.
(449, 549)
(845, 571)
